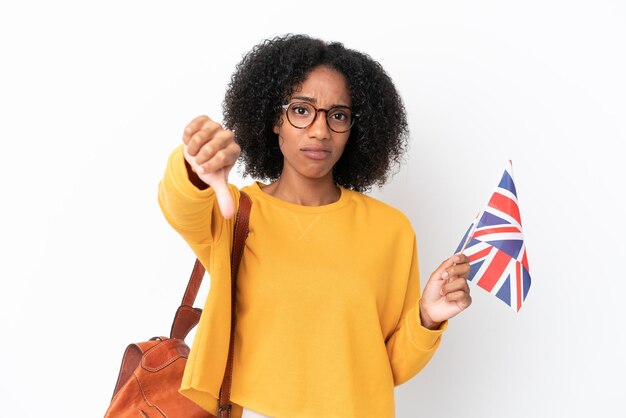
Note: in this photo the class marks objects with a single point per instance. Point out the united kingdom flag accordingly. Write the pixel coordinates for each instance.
(496, 248)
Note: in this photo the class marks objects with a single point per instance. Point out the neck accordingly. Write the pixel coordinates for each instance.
(304, 191)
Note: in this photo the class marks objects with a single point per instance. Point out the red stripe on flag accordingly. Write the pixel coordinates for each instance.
(496, 231)
(494, 271)
(525, 260)
(506, 205)
(480, 254)
(518, 279)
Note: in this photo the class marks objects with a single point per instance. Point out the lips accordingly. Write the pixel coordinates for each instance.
(315, 153)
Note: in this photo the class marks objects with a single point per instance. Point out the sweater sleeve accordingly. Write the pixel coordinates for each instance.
(192, 212)
(411, 346)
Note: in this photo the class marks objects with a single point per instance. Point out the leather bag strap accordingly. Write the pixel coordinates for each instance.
(187, 317)
(240, 235)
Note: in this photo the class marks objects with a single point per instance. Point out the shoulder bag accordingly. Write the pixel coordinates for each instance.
(152, 371)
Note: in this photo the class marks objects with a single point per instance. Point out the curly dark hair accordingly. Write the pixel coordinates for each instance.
(269, 74)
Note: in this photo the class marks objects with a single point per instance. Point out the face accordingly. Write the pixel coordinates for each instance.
(312, 152)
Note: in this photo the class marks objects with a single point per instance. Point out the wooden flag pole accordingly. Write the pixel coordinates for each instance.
(471, 232)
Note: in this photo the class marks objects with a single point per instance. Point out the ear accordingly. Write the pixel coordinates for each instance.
(276, 128)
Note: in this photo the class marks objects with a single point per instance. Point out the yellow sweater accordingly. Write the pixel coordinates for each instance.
(327, 303)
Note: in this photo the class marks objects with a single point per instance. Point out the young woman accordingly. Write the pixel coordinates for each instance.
(329, 312)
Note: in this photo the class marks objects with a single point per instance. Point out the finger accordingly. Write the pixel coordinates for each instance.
(458, 270)
(224, 198)
(454, 286)
(460, 258)
(220, 140)
(222, 159)
(191, 160)
(194, 126)
(446, 264)
(459, 297)
(202, 136)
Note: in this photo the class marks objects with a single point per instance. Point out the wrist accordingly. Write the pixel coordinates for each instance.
(194, 178)
(426, 320)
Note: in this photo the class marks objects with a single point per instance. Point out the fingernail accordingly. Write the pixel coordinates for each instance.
(200, 170)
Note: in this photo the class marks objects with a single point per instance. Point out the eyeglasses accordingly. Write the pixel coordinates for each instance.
(301, 115)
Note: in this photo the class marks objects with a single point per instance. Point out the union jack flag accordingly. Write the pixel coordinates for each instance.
(496, 248)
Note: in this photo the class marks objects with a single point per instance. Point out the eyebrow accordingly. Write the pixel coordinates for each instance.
(314, 101)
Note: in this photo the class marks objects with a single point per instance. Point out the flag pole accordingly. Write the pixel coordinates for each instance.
(471, 232)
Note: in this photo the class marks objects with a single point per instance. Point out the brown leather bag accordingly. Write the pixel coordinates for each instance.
(151, 371)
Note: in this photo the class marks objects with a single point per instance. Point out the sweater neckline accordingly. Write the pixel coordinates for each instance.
(257, 189)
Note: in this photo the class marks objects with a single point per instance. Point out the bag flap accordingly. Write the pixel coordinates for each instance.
(163, 354)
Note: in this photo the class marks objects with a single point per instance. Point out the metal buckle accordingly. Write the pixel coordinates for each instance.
(226, 408)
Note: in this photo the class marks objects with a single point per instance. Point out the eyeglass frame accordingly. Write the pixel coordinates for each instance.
(285, 107)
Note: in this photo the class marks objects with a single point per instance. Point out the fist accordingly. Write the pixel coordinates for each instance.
(211, 152)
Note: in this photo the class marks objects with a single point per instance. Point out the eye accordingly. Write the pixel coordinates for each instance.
(339, 115)
(300, 109)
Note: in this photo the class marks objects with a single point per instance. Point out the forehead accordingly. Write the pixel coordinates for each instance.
(325, 87)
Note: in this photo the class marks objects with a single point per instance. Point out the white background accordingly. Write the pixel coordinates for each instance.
(94, 96)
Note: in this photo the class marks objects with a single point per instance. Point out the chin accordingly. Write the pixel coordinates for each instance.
(317, 175)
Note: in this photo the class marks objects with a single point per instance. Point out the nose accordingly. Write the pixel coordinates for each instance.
(319, 127)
